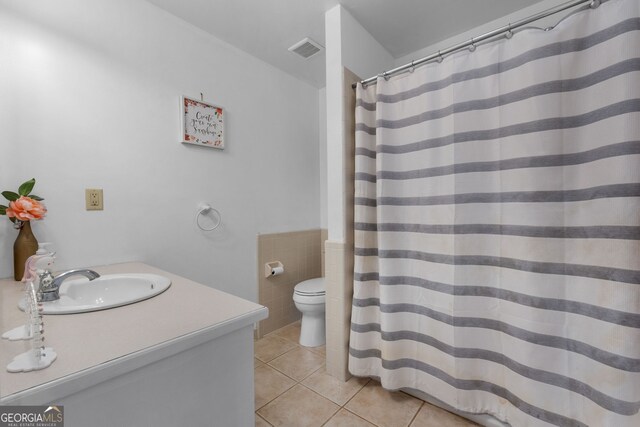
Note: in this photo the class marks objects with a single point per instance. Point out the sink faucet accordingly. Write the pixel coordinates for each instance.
(50, 286)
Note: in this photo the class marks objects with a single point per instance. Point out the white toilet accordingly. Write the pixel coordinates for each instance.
(309, 299)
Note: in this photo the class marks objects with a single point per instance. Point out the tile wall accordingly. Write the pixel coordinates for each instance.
(339, 276)
(302, 253)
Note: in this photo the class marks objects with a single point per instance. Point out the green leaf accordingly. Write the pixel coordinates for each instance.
(38, 198)
(3, 210)
(10, 196)
(26, 187)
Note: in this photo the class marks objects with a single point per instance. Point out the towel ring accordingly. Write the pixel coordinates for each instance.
(203, 210)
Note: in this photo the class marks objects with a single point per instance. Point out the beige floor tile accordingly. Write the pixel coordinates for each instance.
(432, 416)
(269, 384)
(290, 332)
(298, 363)
(260, 422)
(299, 407)
(321, 350)
(345, 418)
(268, 348)
(332, 388)
(257, 362)
(384, 408)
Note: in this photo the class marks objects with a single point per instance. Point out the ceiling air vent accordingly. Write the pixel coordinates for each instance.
(306, 48)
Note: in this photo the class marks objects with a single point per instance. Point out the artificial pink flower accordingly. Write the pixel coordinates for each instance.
(26, 209)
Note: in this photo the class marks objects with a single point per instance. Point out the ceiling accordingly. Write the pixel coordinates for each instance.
(267, 28)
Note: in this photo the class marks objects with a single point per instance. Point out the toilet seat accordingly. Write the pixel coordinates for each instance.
(308, 299)
(309, 294)
(310, 288)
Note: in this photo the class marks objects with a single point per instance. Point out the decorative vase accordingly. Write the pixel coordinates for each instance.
(24, 246)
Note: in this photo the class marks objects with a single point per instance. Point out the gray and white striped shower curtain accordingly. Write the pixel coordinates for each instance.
(497, 221)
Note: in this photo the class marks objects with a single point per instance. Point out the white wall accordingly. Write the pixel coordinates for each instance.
(335, 184)
(489, 26)
(361, 53)
(93, 91)
(8, 154)
(322, 143)
(348, 45)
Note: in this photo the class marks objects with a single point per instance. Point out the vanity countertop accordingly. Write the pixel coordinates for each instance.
(94, 345)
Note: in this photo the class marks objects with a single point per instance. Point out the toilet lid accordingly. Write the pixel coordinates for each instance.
(310, 287)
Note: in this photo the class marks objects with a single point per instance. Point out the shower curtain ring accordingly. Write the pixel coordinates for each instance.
(509, 33)
(386, 76)
(472, 46)
(594, 4)
(412, 68)
(440, 58)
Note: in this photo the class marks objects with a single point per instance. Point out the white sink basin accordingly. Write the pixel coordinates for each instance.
(111, 290)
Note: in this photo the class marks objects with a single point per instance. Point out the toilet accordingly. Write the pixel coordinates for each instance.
(308, 297)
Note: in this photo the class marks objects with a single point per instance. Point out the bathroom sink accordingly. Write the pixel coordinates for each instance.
(107, 291)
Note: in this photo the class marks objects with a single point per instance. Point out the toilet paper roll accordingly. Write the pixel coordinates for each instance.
(276, 271)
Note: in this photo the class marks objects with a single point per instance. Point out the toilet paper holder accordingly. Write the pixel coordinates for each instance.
(274, 268)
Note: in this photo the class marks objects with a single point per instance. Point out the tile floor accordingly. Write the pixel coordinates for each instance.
(293, 390)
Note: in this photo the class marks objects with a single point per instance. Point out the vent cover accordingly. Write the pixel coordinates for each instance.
(306, 48)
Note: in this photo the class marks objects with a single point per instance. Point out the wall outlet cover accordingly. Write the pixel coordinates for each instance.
(93, 199)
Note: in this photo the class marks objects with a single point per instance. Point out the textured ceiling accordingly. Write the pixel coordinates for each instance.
(266, 28)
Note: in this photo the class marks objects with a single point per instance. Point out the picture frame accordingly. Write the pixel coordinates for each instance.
(202, 123)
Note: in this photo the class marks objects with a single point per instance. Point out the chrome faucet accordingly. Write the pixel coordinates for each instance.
(50, 286)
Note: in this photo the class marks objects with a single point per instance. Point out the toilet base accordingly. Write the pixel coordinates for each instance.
(312, 330)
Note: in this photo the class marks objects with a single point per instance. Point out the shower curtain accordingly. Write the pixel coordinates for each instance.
(497, 226)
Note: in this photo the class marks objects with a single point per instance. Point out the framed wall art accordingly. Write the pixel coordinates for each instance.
(202, 123)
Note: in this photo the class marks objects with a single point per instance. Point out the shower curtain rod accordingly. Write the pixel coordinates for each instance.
(507, 30)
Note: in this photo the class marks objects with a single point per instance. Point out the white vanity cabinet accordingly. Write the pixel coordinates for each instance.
(184, 357)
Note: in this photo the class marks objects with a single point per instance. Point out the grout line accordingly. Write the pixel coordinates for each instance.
(283, 392)
(295, 342)
(332, 415)
(280, 372)
(257, 409)
(324, 397)
(416, 414)
(262, 418)
(313, 372)
(274, 358)
(356, 393)
(289, 376)
(356, 415)
(318, 351)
